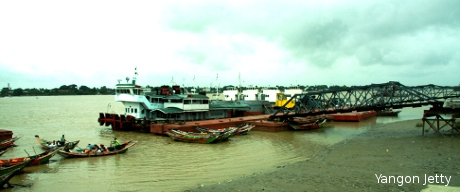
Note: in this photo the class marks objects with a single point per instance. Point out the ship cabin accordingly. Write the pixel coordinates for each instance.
(132, 97)
(251, 94)
(230, 94)
(170, 104)
(291, 91)
(269, 94)
(187, 107)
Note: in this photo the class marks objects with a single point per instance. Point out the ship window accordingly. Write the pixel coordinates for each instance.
(132, 110)
(187, 101)
(135, 110)
(205, 101)
(127, 110)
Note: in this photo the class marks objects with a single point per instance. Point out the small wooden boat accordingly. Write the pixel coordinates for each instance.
(242, 129)
(388, 112)
(113, 150)
(316, 125)
(8, 143)
(8, 173)
(7, 167)
(38, 159)
(224, 133)
(227, 134)
(45, 143)
(202, 137)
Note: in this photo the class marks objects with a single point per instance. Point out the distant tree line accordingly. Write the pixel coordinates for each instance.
(62, 90)
(73, 89)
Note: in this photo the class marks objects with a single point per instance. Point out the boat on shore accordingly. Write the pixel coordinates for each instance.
(112, 150)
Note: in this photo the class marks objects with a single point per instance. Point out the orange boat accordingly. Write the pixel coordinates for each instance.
(353, 116)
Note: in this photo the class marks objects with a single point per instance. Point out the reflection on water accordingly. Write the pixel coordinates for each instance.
(156, 162)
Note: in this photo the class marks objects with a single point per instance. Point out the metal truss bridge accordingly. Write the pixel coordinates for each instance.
(363, 98)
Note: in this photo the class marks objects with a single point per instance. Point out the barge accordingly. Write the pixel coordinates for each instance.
(353, 116)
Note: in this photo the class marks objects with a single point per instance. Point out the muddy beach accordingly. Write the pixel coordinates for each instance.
(390, 157)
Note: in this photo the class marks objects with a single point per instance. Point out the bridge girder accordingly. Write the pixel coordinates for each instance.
(361, 98)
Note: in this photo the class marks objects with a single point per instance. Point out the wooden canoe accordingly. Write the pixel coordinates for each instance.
(242, 129)
(7, 167)
(316, 125)
(224, 134)
(193, 137)
(38, 159)
(44, 143)
(8, 172)
(122, 148)
(8, 143)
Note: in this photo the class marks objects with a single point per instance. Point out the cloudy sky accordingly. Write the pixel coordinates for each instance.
(46, 44)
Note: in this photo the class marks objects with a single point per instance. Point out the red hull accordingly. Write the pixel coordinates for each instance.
(353, 116)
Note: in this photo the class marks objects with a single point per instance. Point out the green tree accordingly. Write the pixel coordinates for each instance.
(103, 90)
(18, 92)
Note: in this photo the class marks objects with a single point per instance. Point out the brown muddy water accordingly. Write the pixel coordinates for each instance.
(156, 163)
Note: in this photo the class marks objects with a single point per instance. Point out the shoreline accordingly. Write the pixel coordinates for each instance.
(380, 159)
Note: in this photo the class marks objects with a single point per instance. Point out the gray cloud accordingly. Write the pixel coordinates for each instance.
(372, 32)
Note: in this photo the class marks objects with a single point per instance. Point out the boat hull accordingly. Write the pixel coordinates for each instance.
(68, 154)
(353, 116)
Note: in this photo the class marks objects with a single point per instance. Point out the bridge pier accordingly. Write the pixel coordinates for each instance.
(435, 123)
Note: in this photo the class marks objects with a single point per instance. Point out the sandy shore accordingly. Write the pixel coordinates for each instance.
(395, 149)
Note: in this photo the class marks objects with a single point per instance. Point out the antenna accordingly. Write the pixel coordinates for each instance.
(194, 85)
(172, 81)
(217, 89)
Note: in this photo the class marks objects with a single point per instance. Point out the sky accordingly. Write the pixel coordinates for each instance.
(46, 44)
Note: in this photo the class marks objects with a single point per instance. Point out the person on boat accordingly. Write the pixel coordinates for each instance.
(53, 144)
(89, 148)
(97, 148)
(103, 148)
(115, 142)
(62, 141)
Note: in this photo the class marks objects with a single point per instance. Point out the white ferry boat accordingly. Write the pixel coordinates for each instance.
(143, 106)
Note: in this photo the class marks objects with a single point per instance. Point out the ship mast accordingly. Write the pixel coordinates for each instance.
(217, 89)
(194, 85)
(239, 87)
(135, 75)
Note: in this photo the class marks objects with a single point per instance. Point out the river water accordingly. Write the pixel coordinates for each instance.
(156, 163)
